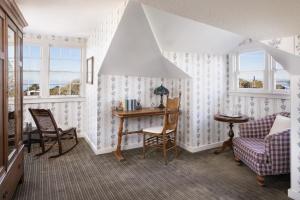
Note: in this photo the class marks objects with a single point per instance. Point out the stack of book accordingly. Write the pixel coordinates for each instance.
(130, 104)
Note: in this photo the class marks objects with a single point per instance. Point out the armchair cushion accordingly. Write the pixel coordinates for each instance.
(156, 130)
(280, 124)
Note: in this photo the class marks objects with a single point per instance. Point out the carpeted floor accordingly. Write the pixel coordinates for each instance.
(82, 175)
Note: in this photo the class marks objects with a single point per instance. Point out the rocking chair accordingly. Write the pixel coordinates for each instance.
(49, 131)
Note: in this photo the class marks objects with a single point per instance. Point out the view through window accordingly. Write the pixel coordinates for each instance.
(251, 69)
(32, 61)
(64, 71)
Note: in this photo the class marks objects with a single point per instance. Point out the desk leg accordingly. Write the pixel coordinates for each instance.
(118, 152)
(227, 143)
(29, 141)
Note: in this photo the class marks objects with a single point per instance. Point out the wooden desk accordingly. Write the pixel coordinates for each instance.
(145, 112)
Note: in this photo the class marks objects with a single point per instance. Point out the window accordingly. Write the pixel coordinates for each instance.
(64, 71)
(32, 61)
(281, 78)
(251, 69)
(257, 72)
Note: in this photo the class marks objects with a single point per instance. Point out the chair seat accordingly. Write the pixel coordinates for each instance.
(252, 148)
(156, 130)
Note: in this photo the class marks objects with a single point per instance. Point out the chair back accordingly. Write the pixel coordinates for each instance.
(171, 113)
(44, 120)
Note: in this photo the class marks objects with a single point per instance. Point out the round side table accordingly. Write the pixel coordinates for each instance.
(231, 121)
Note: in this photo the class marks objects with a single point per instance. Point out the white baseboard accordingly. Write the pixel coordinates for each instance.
(93, 147)
(293, 194)
(139, 145)
(201, 148)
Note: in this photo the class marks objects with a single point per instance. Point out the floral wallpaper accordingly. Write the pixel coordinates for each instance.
(97, 45)
(66, 114)
(197, 127)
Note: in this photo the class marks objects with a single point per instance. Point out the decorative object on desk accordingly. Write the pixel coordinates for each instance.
(161, 90)
(130, 104)
(120, 107)
(138, 105)
(90, 70)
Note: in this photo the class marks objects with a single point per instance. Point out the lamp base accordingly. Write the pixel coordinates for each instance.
(161, 106)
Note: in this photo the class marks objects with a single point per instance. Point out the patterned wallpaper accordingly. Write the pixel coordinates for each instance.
(67, 114)
(97, 45)
(197, 127)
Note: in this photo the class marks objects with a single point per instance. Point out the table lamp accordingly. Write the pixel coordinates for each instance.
(161, 90)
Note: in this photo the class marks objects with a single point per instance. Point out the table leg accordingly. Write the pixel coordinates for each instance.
(29, 142)
(118, 152)
(227, 143)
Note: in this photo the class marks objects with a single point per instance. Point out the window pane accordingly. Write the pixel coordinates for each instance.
(31, 85)
(32, 62)
(282, 78)
(65, 71)
(251, 80)
(252, 61)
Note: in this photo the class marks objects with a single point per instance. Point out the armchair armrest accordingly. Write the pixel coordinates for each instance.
(278, 151)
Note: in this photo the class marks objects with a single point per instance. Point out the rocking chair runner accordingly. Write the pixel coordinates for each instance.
(164, 137)
(48, 130)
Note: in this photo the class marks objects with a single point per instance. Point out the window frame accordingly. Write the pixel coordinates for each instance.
(45, 45)
(41, 66)
(269, 88)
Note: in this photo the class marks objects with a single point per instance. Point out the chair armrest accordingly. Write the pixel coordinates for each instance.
(254, 129)
(278, 151)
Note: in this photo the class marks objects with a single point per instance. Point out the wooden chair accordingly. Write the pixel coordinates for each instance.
(49, 131)
(164, 137)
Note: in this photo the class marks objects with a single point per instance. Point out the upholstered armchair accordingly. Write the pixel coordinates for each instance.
(264, 154)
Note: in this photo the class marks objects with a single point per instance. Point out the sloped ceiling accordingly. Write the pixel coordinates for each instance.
(175, 33)
(257, 19)
(134, 50)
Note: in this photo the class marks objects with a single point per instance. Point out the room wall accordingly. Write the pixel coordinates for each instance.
(97, 46)
(197, 129)
(67, 113)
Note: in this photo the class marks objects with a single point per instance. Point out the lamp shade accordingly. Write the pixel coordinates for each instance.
(161, 90)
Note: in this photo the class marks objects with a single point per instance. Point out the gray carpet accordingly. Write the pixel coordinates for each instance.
(82, 175)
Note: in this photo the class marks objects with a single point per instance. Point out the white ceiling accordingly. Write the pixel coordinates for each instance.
(257, 19)
(129, 41)
(65, 17)
(175, 33)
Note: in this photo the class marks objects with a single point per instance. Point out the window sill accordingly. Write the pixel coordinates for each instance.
(33, 100)
(260, 94)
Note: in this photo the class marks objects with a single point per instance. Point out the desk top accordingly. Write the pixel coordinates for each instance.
(139, 113)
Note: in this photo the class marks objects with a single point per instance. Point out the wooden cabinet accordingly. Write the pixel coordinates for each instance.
(11, 146)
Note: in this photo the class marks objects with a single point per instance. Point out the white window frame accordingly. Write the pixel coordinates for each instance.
(45, 45)
(269, 89)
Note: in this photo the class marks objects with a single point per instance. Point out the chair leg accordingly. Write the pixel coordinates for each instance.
(144, 147)
(260, 180)
(165, 149)
(238, 161)
(59, 145)
(42, 144)
(75, 134)
(175, 145)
